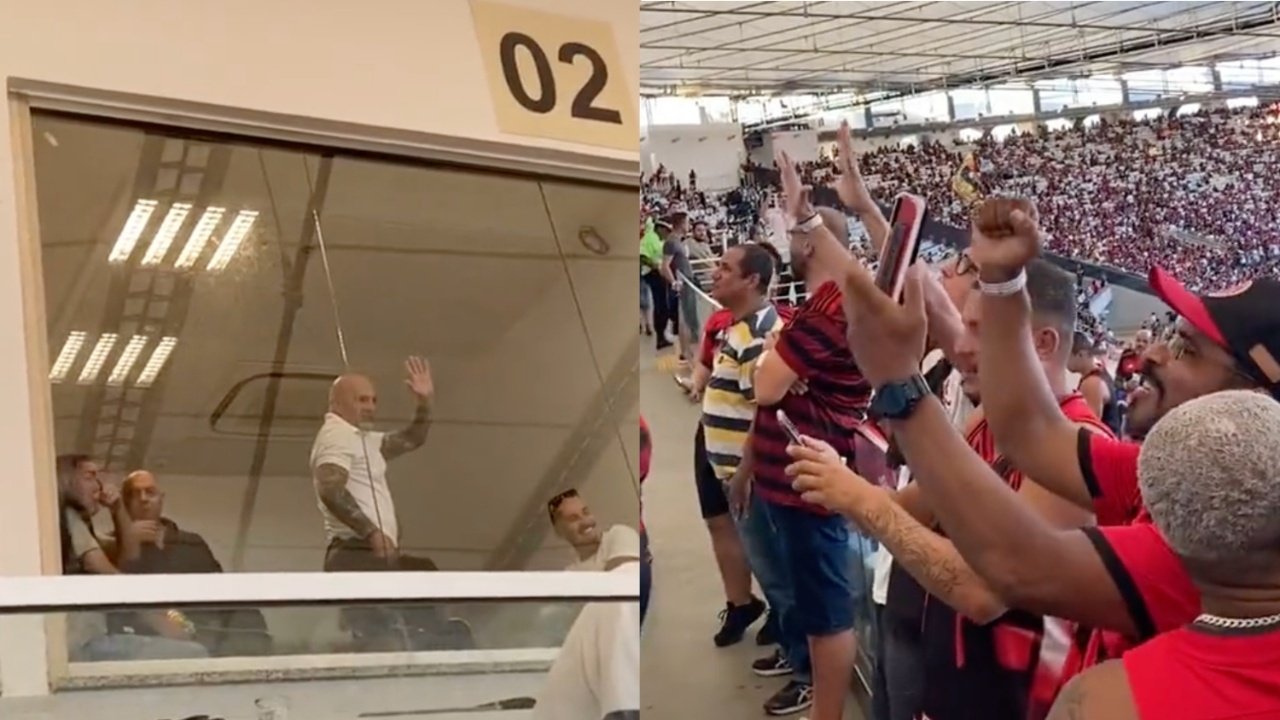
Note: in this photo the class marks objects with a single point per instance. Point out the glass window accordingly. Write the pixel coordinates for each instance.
(1238, 74)
(1012, 99)
(969, 134)
(1147, 113)
(202, 294)
(1269, 71)
(1188, 109)
(970, 103)
(1242, 102)
(926, 107)
(1091, 120)
(672, 111)
(1145, 85)
(1056, 94)
(1099, 90)
(503, 659)
(1189, 79)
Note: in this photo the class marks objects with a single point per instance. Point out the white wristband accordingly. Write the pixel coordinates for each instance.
(1006, 288)
(813, 223)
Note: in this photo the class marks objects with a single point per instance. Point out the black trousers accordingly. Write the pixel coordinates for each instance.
(396, 628)
(662, 308)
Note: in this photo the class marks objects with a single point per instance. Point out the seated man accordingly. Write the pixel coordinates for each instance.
(596, 676)
(149, 635)
(597, 551)
(156, 545)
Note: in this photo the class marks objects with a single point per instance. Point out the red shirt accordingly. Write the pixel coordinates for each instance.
(1202, 673)
(1153, 583)
(1110, 470)
(1013, 666)
(713, 335)
(646, 456)
(813, 345)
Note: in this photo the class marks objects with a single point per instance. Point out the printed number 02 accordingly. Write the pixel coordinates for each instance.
(545, 101)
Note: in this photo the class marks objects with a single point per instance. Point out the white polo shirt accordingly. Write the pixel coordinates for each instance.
(359, 452)
(598, 669)
(618, 541)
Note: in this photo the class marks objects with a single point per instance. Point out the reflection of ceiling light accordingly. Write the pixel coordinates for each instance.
(97, 358)
(156, 363)
(199, 237)
(128, 357)
(164, 236)
(132, 230)
(231, 241)
(67, 356)
(592, 241)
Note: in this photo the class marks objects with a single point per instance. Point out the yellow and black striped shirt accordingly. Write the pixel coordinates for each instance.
(729, 403)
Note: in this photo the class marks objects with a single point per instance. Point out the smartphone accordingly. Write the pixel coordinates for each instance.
(792, 431)
(903, 246)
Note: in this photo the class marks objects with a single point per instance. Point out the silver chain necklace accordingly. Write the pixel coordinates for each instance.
(1238, 623)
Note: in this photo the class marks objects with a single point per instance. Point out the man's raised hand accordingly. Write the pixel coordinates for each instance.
(418, 379)
(1006, 236)
(887, 339)
(796, 203)
(849, 184)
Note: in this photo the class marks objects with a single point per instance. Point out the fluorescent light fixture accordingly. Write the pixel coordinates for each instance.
(156, 363)
(231, 241)
(97, 358)
(132, 230)
(199, 237)
(125, 362)
(163, 238)
(67, 356)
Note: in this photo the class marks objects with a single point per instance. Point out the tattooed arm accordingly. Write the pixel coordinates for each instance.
(331, 485)
(410, 438)
(930, 558)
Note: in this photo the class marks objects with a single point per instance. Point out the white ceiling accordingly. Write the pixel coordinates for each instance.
(901, 47)
(482, 273)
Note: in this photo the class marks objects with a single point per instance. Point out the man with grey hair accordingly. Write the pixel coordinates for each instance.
(1209, 472)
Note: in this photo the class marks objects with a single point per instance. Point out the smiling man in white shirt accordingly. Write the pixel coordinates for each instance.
(597, 551)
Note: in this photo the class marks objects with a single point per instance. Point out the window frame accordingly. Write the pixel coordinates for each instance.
(33, 653)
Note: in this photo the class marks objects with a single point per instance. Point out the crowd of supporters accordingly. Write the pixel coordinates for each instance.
(1199, 191)
(1041, 560)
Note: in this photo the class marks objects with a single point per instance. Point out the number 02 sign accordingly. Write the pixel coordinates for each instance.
(555, 76)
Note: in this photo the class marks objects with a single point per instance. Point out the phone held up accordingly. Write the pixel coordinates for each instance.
(903, 247)
(792, 431)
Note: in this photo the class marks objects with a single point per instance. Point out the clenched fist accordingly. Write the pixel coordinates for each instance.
(1006, 236)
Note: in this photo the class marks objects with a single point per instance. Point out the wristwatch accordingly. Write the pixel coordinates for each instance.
(898, 400)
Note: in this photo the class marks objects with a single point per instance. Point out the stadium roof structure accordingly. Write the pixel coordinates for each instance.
(889, 49)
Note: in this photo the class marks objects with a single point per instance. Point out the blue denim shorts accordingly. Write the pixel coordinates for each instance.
(816, 547)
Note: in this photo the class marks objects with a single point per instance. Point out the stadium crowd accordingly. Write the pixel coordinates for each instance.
(1035, 561)
(1199, 191)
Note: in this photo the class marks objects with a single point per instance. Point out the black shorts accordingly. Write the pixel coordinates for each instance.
(711, 497)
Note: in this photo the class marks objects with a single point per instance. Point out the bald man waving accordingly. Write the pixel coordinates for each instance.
(349, 467)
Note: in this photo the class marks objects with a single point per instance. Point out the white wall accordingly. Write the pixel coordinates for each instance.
(801, 145)
(400, 65)
(714, 151)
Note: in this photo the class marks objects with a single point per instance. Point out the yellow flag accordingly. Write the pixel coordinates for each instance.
(966, 183)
